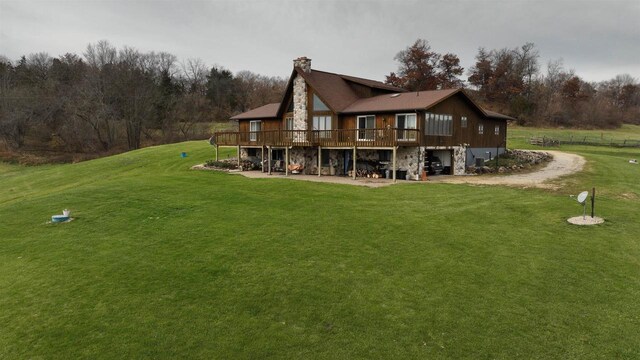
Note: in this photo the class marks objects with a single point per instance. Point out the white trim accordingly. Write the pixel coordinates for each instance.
(252, 135)
(323, 133)
(415, 126)
(365, 128)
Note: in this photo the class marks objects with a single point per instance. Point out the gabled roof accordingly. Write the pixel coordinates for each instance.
(334, 90)
(410, 101)
(331, 88)
(263, 112)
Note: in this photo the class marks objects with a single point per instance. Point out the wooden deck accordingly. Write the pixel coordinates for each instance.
(362, 138)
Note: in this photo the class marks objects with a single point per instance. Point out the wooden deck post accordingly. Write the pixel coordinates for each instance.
(217, 151)
(262, 158)
(286, 161)
(238, 156)
(354, 163)
(319, 160)
(269, 159)
(394, 163)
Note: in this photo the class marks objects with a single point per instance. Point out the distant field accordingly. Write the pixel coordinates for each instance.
(165, 262)
(519, 136)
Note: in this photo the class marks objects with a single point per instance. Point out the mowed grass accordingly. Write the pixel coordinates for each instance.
(519, 136)
(165, 262)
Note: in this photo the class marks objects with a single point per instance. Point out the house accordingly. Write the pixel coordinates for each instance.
(330, 124)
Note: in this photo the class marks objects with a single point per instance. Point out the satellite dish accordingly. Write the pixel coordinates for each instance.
(583, 196)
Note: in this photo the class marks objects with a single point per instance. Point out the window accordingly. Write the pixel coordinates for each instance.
(497, 130)
(406, 122)
(480, 129)
(318, 105)
(366, 124)
(254, 127)
(463, 121)
(438, 124)
(323, 124)
(288, 123)
(252, 152)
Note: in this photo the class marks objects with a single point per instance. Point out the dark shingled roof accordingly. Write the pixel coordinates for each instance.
(331, 88)
(400, 101)
(372, 83)
(495, 115)
(263, 112)
(334, 90)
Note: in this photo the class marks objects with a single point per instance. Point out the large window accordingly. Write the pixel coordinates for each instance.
(438, 124)
(366, 124)
(254, 127)
(406, 122)
(323, 124)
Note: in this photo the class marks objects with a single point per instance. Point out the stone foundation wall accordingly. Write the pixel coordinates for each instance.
(410, 159)
(308, 157)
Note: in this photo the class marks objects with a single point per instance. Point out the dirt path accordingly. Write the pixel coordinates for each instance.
(562, 164)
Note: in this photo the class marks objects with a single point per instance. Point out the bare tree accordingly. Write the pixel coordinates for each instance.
(100, 54)
(194, 73)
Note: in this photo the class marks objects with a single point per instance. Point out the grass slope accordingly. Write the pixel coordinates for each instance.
(165, 262)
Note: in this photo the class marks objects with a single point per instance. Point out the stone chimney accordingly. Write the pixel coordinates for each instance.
(303, 63)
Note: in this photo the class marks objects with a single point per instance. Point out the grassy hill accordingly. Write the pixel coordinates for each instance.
(166, 262)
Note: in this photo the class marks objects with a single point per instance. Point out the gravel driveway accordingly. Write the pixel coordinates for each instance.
(562, 164)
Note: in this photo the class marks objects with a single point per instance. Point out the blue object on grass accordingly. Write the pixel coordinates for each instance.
(59, 218)
(184, 155)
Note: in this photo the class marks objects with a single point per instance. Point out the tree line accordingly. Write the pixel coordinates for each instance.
(511, 81)
(110, 99)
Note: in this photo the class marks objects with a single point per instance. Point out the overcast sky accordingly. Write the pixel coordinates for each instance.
(598, 39)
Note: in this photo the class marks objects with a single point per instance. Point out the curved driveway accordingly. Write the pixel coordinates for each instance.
(562, 164)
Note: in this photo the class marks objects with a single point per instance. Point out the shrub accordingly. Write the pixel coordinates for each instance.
(220, 164)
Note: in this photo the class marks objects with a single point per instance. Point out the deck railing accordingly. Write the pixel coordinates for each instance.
(327, 138)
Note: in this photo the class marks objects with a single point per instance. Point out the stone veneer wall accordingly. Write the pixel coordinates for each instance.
(407, 158)
(459, 160)
(299, 104)
(309, 158)
(410, 159)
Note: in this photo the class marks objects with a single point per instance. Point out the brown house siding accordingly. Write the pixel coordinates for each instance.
(457, 106)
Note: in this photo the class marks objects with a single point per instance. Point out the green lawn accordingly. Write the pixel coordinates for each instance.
(166, 262)
(519, 136)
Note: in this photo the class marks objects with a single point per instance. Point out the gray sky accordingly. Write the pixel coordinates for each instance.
(598, 39)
